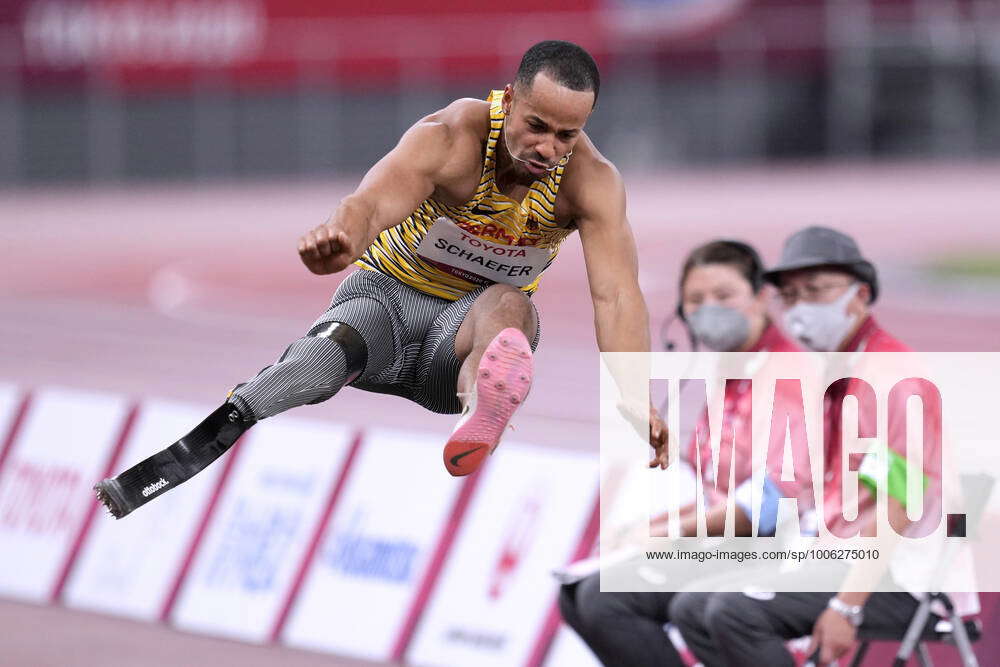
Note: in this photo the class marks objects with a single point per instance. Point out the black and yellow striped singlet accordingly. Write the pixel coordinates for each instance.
(491, 238)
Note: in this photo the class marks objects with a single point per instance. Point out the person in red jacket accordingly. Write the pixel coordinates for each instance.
(724, 304)
(827, 289)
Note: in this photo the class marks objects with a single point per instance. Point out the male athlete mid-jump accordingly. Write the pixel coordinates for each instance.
(439, 311)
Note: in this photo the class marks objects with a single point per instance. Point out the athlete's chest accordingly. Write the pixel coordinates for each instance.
(538, 207)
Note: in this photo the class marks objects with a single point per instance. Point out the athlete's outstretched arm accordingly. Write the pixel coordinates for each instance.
(621, 320)
(389, 192)
(620, 316)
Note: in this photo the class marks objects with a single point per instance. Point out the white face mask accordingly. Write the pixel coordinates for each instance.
(821, 326)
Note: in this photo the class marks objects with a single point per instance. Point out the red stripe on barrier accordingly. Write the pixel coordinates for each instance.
(436, 565)
(15, 428)
(583, 548)
(81, 535)
(317, 539)
(175, 588)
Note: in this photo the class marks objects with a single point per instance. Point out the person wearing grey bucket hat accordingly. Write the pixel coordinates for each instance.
(815, 246)
(827, 287)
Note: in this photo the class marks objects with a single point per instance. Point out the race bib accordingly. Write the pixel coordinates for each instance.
(464, 255)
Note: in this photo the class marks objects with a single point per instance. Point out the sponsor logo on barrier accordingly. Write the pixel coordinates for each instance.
(255, 543)
(518, 537)
(522, 526)
(356, 554)
(487, 641)
(154, 487)
(39, 499)
(291, 483)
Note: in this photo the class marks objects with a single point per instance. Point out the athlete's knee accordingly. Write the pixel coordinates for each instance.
(350, 342)
(511, 303)
(504, 293)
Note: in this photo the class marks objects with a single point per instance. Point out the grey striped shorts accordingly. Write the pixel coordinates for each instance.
(410, 337)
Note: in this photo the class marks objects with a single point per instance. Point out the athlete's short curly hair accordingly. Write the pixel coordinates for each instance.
(567, 63)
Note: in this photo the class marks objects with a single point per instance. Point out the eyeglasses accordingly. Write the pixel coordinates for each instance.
(812, 293)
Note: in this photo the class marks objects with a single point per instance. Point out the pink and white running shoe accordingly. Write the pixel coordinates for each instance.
(502, 383)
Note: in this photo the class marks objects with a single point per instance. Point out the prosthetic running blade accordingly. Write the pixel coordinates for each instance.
(174, 465)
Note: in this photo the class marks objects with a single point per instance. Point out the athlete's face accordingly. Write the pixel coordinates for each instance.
(543, 123)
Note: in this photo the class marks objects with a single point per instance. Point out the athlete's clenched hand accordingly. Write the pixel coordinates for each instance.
(328, 248)
(659, 437)
(659, 440)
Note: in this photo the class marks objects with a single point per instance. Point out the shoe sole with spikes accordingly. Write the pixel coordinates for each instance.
(503, 380)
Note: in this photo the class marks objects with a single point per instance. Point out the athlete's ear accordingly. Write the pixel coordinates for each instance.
(508, 96)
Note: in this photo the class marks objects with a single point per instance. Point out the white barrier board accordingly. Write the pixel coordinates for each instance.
(568, 650)
(127, 567)
(376, 548)
(45, 486)
(10, 400)
(526, 518)
(265, 520)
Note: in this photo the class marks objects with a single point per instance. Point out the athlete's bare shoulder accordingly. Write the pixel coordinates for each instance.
(459, 130)
(452, 139)
(590, 180)
(466, 114)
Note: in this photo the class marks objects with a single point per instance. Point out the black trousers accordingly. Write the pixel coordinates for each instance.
(622, 629)
(736, 629)
(722, 629)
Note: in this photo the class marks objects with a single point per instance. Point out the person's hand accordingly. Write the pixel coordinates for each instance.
(658, 437)
(328, 248)
(833, 635)
(659, 440)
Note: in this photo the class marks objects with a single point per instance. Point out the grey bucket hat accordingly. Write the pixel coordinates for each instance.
(815, 247)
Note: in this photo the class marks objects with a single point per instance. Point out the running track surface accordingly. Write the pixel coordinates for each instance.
(183, 291)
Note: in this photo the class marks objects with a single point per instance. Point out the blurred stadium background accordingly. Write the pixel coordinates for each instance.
(158, 160)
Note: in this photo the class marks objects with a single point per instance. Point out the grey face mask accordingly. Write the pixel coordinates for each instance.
(719, 328)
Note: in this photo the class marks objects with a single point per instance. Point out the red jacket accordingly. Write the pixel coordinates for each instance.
(736, 412)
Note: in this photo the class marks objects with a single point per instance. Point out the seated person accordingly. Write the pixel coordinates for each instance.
(724, 306)
(827, 288)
